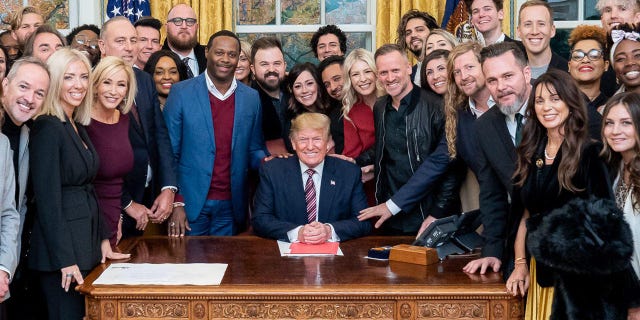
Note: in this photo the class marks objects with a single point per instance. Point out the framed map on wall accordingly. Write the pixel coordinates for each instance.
(61, 14)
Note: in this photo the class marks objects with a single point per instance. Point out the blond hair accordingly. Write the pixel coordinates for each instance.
(107, 67)
(454, 97)
(57, 65)
(350, 94)
(310, 120)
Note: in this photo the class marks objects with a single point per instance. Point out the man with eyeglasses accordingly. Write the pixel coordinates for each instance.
(182, 33)
(85, 39)
(536, 29)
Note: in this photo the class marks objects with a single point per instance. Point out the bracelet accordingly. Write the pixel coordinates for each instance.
(520, 262)
(519, 259)
(127, 206)
(178, 204)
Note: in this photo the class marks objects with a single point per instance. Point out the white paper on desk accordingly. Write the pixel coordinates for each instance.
(285, 251)
(199, 274)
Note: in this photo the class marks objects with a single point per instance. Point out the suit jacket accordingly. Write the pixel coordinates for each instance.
(280, 204)
(558, 62)
(9, 217)
(496, 164)
(198, 50)
(188, 116)
(23, 174)
(151, 145)
(68, 227)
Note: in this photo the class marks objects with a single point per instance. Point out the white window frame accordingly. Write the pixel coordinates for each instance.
(569, 24)
(369, 29)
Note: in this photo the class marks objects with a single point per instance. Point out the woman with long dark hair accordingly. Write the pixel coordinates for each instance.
(557, 162)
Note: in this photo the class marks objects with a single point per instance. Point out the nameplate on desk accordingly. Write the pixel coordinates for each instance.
(202, 274)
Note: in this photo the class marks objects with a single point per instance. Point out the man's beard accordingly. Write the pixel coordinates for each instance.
(511, 109)
(268, 86)
(183, 45)
(415, 52)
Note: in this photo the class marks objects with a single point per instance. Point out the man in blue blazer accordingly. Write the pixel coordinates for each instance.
(148, 191)
(215, 126)
(295, 204)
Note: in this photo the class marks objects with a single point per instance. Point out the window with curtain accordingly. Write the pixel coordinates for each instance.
(295, 21)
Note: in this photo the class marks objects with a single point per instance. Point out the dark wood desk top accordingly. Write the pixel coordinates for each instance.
(255, 262)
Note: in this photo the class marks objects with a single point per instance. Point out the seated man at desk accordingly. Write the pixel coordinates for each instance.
(310, 198)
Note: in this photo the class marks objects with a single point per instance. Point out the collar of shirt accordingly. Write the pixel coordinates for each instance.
(191, 56)
(318, 169)
(501, 38)
(405, 101)
(214, 91)
(475, 111)
(512, 117)
(193, 62)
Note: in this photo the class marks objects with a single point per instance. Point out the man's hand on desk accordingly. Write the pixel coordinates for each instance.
(425, 224)
(483, 264)
(314, 233)
(178, 222)
(380, 210)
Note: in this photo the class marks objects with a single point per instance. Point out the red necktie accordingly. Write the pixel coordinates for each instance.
(310, 197)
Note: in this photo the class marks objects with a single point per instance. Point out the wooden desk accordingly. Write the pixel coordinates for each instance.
(260, 284)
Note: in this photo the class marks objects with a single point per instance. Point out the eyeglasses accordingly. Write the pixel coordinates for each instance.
(593, 55)
(178, 21)
(83, 41)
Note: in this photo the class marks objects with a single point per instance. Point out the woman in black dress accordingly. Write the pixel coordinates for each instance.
(557, 162)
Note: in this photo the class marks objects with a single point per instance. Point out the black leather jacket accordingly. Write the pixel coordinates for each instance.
(424, 130)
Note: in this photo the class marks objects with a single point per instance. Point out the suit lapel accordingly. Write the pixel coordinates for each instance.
(77, 142)
(327, 190)
(499, 123)
(238, 116)
(202, 97)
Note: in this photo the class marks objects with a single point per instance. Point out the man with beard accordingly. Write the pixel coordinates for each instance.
(268, 69)
(85, 39)
(182, 33)
(412, 33)
(216, 136)
(498, 132)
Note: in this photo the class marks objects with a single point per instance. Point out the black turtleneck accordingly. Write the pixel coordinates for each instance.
(12, 131)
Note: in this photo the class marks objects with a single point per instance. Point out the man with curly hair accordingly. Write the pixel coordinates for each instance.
(328, 41)
(413, 30)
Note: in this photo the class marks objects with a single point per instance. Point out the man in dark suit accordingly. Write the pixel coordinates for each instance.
(536, 29)
(310, 198)
(507, 76)
(182, 38)
(149, 188)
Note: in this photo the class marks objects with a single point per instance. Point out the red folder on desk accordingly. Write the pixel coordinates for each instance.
(325, 248)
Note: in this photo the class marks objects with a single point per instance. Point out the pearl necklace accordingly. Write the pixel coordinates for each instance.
(546, 155)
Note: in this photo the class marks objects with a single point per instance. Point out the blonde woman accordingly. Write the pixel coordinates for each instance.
(114, 88)
(69, 237)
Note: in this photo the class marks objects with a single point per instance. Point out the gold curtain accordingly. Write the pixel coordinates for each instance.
(389, 13)
(212, 15)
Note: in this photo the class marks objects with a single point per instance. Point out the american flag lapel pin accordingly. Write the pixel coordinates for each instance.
(332, 182)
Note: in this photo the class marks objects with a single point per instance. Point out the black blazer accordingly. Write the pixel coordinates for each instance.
(68, 227)
(280, 199)
(496, 164)
(558, 62)
(198, 50)
(150, 143)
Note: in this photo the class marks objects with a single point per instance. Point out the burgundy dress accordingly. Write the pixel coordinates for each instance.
(116, 160)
